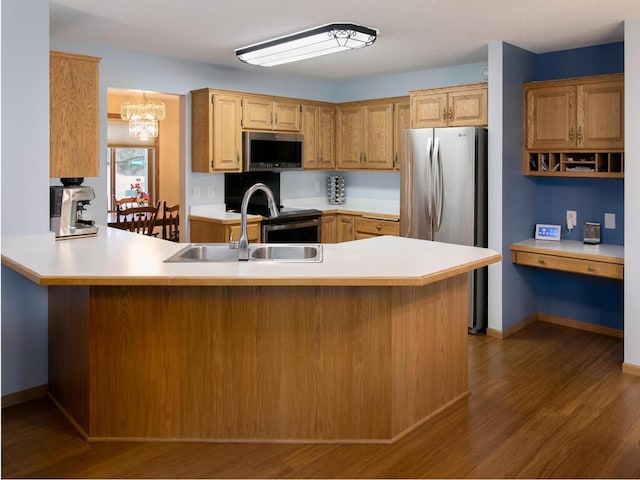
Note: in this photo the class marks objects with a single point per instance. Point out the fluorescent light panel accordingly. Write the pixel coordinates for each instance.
(323, 40)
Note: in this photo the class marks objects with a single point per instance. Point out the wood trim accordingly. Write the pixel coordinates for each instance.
(593, 257)
(589, 327)
(631, 369)
(502, 334)
(11, 399)
(574, 80)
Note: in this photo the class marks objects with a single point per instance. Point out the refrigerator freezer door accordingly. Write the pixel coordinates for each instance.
(456, 180)
(415, 182)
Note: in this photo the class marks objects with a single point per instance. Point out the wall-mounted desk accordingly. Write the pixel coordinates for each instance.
(601, 260)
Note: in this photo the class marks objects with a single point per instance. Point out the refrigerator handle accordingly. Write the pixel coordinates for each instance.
(428, 182)
(438, 190)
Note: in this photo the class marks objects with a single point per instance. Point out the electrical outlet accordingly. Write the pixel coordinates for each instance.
(211, 191)
(572, 219)
(317, 186)
(196, 191)
(610, 220)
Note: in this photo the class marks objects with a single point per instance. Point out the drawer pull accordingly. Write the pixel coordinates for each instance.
(379, 227)
(541, 261)
(591, 268)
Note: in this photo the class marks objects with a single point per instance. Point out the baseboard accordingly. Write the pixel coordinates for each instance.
(589, 327)
(502, 334)
(631, 369)
(22, 396)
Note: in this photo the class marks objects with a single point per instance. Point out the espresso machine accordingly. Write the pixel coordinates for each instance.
(67, 205)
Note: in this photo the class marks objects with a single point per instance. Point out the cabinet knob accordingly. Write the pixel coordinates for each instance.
(580, 133)
(379, 227)
(591, 268)
(541, 261)
(571, 134)
(450, 113)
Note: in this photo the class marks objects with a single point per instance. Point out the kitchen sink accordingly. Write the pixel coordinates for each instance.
(222, 252)
(286, 252)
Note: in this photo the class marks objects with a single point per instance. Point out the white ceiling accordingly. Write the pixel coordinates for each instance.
(413, 34)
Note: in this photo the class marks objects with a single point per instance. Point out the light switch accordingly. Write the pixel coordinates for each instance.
(610, 220)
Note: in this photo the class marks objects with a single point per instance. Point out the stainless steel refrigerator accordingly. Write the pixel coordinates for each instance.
(443, 196)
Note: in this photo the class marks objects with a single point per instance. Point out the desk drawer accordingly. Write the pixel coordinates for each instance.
(575, 265)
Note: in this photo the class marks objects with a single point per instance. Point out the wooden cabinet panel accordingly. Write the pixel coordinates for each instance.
(73, 110)
(216, 136)
(345, 228)
(574, 265)
(263, 113)
(375, 227)
(601, 115)
(328, 228)
(429, 110)
(456, 106)
(551, 120)
(468, 108)
(318, 129)
(378, 136)
(401, 121)
(350, 136)
(227, 134)
(203, 231)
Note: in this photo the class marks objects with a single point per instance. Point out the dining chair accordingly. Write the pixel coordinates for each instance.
(138, 219)
(171, 222)
(124, 202)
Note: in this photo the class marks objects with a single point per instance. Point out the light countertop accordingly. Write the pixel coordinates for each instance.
(117, 257)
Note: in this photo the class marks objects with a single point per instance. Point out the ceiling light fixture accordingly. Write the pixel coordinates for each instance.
(330, 38)
(143, 117)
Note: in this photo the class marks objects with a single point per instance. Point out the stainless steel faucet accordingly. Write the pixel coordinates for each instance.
(243, 243)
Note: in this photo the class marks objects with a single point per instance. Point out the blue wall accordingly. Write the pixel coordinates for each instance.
(592, 300)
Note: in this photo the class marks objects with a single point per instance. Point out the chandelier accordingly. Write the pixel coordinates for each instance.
(330, 38)
(143, 117)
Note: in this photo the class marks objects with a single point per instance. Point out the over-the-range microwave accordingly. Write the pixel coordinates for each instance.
(267, 151)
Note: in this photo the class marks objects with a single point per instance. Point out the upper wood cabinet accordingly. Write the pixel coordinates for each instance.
(458, 106)
(263, 113)
(216, 133)
(401, 121)
(367, 132)
(73, 100)
(575, 113)
(574, 126)
(318, 130)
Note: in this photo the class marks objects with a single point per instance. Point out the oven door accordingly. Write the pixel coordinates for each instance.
(297, 231)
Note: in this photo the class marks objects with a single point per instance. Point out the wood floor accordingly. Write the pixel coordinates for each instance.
(549, 402)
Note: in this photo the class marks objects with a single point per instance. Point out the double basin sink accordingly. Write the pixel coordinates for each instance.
(223, 252)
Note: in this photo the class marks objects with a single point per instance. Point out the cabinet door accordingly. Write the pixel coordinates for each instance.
(310, 152)
(257, 113)
(378, 136)
(326, 137)
(429, 110)
(601, 115)
(551, 118)
(73, 110)
(468, 108)
(345, 230)
(401, 121)
(328, 228)
(286, 116)
(227, 133)
(350, 137)
(202, 131)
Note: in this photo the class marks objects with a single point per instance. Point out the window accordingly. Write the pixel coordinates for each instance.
(129, 161)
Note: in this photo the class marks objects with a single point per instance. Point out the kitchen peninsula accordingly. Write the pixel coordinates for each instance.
(362, 347)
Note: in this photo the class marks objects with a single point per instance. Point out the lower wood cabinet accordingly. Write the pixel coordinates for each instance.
(204, 230)
(345, 228)
(328, 230)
